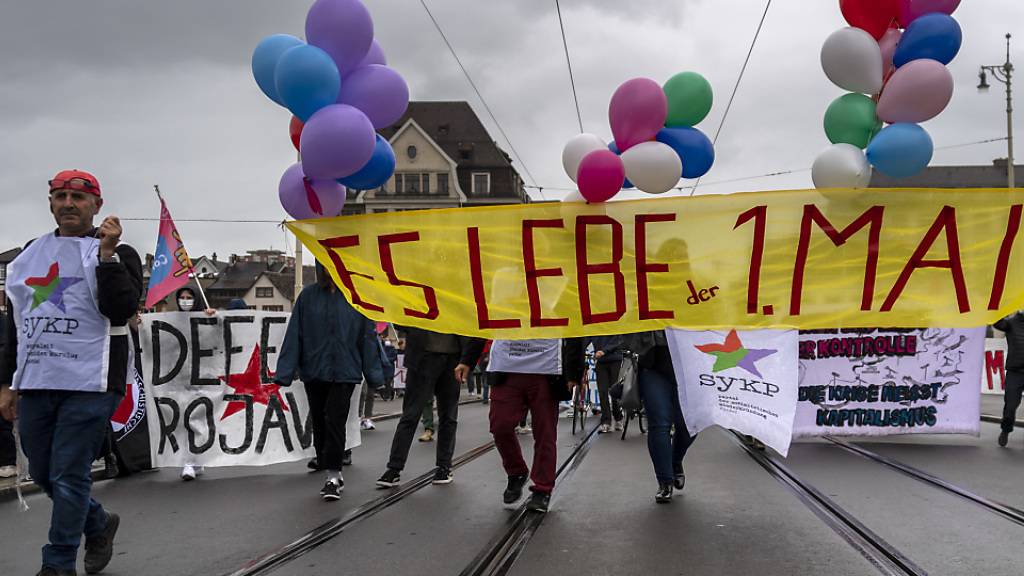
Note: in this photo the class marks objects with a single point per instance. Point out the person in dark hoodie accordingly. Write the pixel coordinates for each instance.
(608, 359)
(1013, 326)
(333, 347)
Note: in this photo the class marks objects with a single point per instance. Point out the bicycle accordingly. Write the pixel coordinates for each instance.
(581, 403)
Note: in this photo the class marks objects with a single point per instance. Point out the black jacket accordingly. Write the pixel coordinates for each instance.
(612, 347)
(1013, 325)
(574, 363)
(119, 288)
(416, 346)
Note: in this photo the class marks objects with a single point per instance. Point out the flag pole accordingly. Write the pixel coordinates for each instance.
(191, 268)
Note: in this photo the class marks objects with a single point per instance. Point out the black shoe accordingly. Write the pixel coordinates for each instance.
(442, 476)
(389, 479)
(514, 492)
(1004, 436)
(346, 458)
(539, 502)
(679, 480)
(99, 549)
(664, 494)
(51, 571)
(332, 490)
(313, 465)
(110, 468)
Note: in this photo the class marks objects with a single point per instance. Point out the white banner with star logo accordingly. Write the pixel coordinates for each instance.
(211, 398)
(740, 381)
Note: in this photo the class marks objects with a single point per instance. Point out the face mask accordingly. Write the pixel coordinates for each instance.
(186, 304)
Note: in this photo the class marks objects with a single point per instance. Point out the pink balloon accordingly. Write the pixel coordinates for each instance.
(888, 45)
(600, 175)
(637, 112)
(917, 92)
(911, 9)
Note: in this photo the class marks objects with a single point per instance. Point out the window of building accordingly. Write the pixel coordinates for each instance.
(412, 152)
(481, 183)
(412, 183)
(425, 179)
(264, 292)
(399, 183)
(273, 308)
(442, 184)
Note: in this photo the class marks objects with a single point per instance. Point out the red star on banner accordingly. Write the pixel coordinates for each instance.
(249, 383)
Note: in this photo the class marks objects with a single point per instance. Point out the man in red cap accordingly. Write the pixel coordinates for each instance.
(71, 294)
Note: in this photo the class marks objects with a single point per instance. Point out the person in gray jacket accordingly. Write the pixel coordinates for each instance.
(1013, 325)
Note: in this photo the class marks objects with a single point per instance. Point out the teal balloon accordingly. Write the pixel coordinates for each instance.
(852, 119)
(901, 150)
(307, 80)
(689, 99)
(264, 61)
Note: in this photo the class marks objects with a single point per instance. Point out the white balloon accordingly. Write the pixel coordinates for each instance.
(578, 147)
(841, 166)
(852, 60)
(574, 196)
(653, 167)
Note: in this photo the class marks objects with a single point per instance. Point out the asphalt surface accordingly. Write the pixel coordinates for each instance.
(732, 518)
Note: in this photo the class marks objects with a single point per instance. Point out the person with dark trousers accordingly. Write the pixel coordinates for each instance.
(531, 376)
(333, 348)
(437, 365)
(1013, 326)
(8, 449)
(607, 360)
(63, 384)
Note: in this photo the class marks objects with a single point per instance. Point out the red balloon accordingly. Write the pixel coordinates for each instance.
(873, 16)
(295, 131)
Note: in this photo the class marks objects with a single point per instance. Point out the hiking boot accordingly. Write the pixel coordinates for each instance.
(539, 502)
(1004, 437)
(664, 494)
(51, 571)
(514, 492)
(389, 479)
(442, 476)
(99, 549)
(427, 436)
(332, 490)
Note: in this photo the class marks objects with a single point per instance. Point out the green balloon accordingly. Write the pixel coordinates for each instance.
(851, 119)
(689, 99)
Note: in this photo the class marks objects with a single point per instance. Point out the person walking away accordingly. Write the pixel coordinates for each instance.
(188, 302)
(667, 436)
(531, 376)
(1013, 326)
(367, 393)
(63, 384)
(334, 348)
(433, 361)
(608, 359)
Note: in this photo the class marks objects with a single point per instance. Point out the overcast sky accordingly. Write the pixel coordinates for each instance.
(142, 92)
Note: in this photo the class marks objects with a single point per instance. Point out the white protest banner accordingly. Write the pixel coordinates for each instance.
(864, 382)
(400, 372)
(740, 381)
(211, 398)
(994, 379)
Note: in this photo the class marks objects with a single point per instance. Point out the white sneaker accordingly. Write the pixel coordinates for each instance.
(524, 430)
(8, 471)
(188, 473)
(618, 425)
(367, 424)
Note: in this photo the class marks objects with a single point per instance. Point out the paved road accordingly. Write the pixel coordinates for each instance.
(733, 518)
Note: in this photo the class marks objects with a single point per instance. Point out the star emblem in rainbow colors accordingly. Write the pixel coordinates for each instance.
(50, 288)
(732, 354)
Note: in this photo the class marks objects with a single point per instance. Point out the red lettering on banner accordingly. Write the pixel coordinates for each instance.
(759, 214)
(533, 273)
(584, 270)
(387, 263)
(995, 363)
(944, 222)
(344, 273)
(643, 267)
(476, 274)
(1003, 263)
(872, 216)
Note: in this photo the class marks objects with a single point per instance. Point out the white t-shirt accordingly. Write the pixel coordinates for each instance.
(526, 356)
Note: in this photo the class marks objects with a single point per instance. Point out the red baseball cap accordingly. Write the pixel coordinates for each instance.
(66, 179)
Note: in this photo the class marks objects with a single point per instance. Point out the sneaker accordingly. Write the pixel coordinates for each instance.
(346, 458)
(539, 502)
(188, 473)
(332, 490)
(389, 479)
(366, 424)
(427, 436)
(604, 429)
(8, 471)
(1004, 436)
(442, 476)
(514, 492)
(51, 571)
(679, 480)
(99, 549)
(313, 465)
(618, 425)
(664, 494)
(524, 430)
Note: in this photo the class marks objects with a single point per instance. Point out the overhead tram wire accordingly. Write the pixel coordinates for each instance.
(568, 63)
(478, 94)
(736, 88)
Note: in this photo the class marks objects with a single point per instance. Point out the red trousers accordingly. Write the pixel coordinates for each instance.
(509, 402)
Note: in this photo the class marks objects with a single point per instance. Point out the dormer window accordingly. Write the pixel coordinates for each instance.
(411, 152)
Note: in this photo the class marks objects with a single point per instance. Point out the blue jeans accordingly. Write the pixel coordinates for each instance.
(61, 434)
(661, 404)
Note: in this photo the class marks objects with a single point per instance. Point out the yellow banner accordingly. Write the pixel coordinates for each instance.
(788, 259)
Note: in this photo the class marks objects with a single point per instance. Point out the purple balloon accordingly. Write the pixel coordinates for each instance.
(637, 112)
(374, 56)
(336, 142)
(380, 92)
(303, 198)
(343, 29)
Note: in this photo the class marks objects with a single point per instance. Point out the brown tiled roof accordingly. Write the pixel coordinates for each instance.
(455, 127)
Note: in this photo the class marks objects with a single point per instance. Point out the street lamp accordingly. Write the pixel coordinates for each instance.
(1004, 74)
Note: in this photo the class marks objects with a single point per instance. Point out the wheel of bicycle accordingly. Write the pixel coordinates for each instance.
(584, 407)
(575, 409)
(640, 416)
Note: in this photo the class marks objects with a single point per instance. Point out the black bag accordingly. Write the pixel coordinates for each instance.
(627, 382)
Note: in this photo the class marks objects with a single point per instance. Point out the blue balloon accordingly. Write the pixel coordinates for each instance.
(936, 36)
(264, 61)
(692, 146)
(307, 79)
(901, 150)
(626, 183)
(377, 171)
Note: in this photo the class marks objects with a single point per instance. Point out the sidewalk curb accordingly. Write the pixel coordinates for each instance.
(998, 420)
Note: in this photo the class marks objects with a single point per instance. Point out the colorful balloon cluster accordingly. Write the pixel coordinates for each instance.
(655, 144)
(340, 90)
(897, 77)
